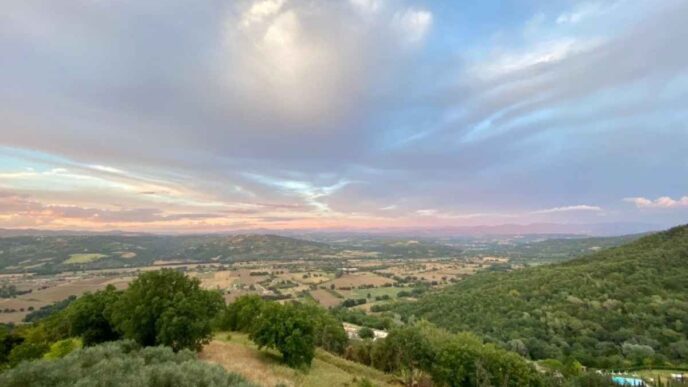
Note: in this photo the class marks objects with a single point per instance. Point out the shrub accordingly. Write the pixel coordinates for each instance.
(366, 333)
(121, 364)
(27, 351)
(62, 348)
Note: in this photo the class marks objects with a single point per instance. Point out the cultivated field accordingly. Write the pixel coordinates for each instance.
(377, 280)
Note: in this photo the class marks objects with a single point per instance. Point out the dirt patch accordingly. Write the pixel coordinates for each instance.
(325, 298)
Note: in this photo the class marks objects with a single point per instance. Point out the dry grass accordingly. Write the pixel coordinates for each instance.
(259, 367)
(325, 298)
(265, 367)
(217, 280)
(357, 279)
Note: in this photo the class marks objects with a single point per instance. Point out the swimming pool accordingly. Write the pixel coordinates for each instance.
(627, 381)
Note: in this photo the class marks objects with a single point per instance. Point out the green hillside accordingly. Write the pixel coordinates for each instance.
(622, 306)
(49, 254)
(55, 253)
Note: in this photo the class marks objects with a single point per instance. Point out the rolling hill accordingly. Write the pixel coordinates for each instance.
(51, 253)
(55, 253)
(623, 306)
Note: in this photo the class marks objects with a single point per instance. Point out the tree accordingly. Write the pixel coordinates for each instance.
(328, 332)
(166, 308)
(405, 349)
(89, 316)
(289, 330)
(241, 314)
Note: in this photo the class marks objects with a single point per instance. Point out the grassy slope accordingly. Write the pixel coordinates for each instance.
(634, 293)
(264, 367)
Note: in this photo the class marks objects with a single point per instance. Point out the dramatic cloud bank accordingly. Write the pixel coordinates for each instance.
(206, 116)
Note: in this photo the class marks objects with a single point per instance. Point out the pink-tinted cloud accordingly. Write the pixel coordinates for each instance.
(661, 202)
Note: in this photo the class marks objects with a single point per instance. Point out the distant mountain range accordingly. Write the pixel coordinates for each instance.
(590, 229)
(54, 253)
(20, 232)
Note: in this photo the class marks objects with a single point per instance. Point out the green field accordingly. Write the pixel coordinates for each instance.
(83, 258)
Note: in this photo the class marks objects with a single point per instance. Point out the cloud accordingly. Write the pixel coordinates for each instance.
(368, 7)
(328, 112)
(413, 24)
(580, 207)
(21, 206)
(585, 10)
(661, 202)
(260, 10)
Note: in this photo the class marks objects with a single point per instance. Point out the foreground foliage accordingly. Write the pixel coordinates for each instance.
(621, 307)
(121, 364)
(159, 308)
(294, 329)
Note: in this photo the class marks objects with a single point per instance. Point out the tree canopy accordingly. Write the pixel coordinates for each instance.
(620, 307)
(166, 307)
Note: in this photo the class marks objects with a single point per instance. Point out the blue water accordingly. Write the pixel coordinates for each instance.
(624, 381)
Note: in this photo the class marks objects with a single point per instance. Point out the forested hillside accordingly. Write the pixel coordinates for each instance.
(620, 307)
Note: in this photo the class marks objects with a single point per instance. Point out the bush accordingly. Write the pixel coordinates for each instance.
(121, 364)
(62, 348)
(27, 351)
(366, 333)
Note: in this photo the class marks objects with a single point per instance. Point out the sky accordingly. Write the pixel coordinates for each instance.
(208, 116)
